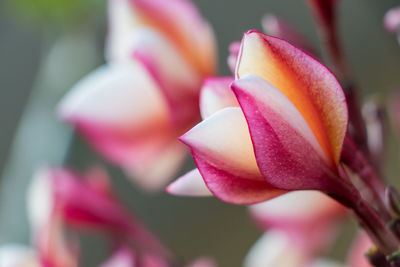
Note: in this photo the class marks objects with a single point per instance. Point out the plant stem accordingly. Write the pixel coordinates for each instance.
(358, 163)
(378, 231)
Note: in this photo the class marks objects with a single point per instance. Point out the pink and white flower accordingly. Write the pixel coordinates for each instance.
(133, 109)
(86, 203)
(286, 135)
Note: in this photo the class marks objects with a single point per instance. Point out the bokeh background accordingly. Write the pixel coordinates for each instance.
(47, 45)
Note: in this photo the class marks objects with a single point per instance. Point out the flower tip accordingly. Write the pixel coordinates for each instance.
(190, 184)
(252, 31)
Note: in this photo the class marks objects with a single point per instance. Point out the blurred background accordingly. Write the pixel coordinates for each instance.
(47, 45)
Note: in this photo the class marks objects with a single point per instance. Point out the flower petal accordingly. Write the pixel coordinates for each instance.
(122, 95)
(309, 85)
(297, 209)
(223, 152)
(275, 249)
(155, 172)
(121, 111)
(190, 184)
(309, 218)
(216, 94)
(177, 79)
(178, 20)
(287, 153)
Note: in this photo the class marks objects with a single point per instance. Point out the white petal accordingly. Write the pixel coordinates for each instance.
(40, 199)
(295, 206)
(224, 139)
(274, 249)
(190, 184)
(118, 94)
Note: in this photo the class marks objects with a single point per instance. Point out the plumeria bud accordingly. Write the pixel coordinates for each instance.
(391, 21)
(288, 131)
(133, 109)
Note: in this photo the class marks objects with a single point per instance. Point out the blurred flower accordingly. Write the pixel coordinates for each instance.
(133, 109)
(62, 199)
(301, 225)
(87, 203)
(391, 21)
(309, 218)
(275, 249)
(286, 135)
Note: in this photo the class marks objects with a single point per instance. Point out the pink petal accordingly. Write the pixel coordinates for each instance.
(223, 152)
(276, 26)
(216, 94)
(176, 78)
(182, 24)
(54, 247)
(309, 85)
(287, 152)
(190, 184)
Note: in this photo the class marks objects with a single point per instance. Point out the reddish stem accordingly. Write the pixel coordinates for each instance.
(353, 157)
